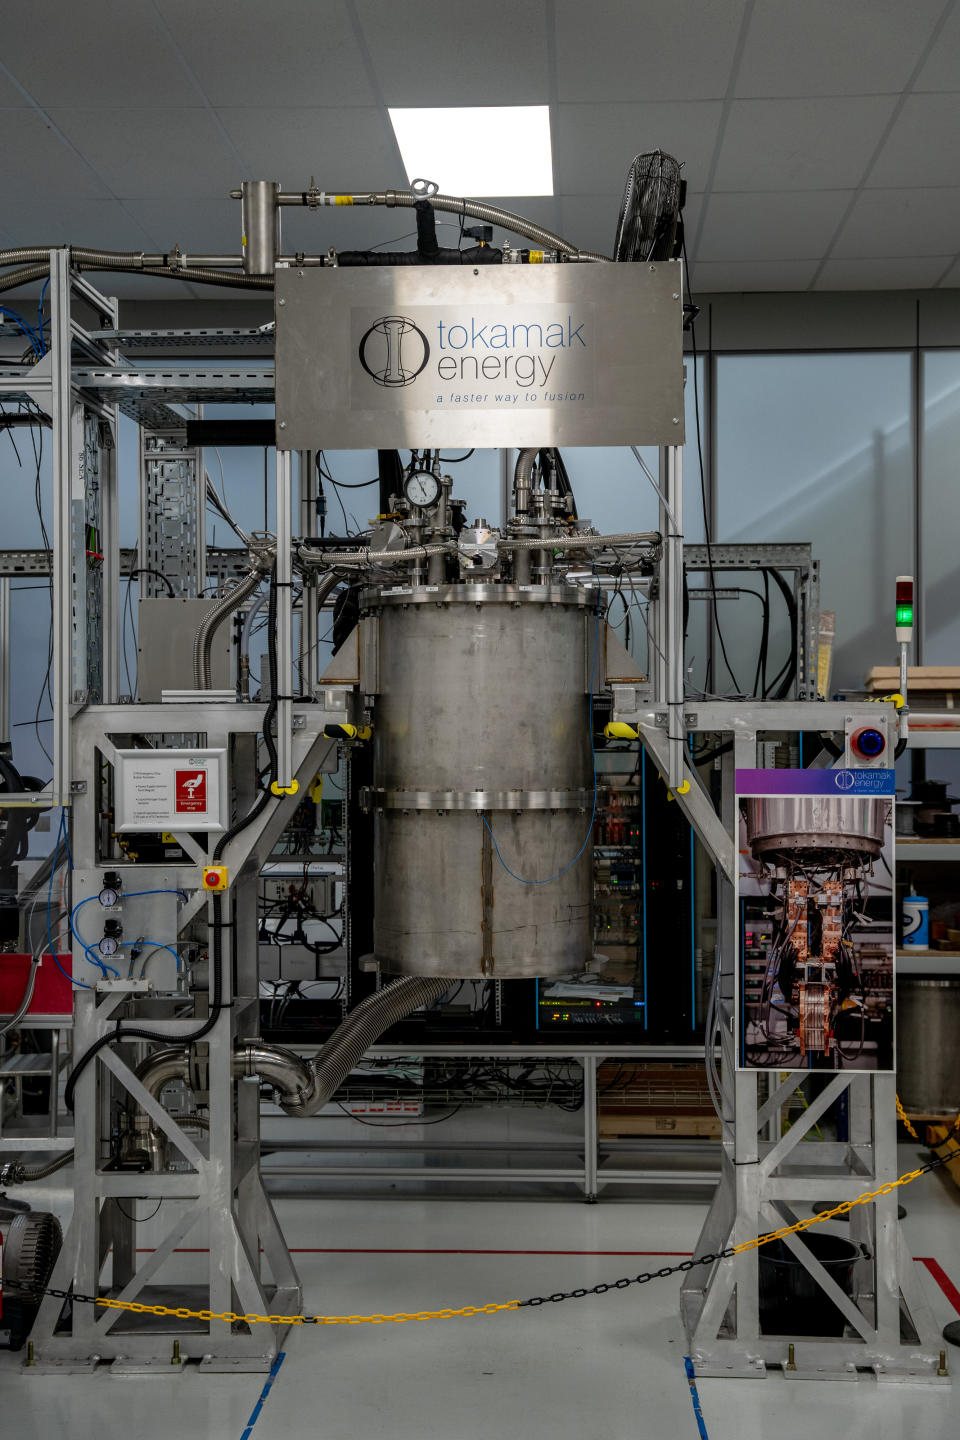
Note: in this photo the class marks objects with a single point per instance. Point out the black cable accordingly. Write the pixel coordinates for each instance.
(455, 459)
(791, 664)
(134, 1218)
(395, 1124)
(145, 570)
(703, 488)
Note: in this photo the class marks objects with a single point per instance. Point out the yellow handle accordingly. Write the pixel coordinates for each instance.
(278, 789)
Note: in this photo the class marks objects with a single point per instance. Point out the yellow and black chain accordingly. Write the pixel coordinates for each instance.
(230, 1317)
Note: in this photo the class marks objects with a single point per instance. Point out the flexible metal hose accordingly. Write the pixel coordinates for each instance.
(210, 624)
(17, 1174)
(373, 557)
(523, 480)
(545, 239)
(361, 1029)
(578, 542)
(304, 1087)
(195, 274)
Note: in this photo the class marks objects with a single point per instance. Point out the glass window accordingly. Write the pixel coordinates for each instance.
(939, 609)
(818, 448)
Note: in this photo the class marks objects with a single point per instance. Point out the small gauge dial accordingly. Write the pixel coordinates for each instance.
(422, 489)
(108, 945)
(108, 897)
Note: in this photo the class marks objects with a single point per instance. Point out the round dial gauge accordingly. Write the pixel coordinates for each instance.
(422, 489)
(108, 945)
(108, 897)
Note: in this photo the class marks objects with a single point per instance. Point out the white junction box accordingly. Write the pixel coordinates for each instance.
(170, 790)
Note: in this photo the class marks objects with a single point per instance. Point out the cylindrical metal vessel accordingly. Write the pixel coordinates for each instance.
(482, 743)
(928, 1056)
(779, 828)
(260, 218)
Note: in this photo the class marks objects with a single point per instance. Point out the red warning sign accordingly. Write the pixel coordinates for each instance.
(191, 798)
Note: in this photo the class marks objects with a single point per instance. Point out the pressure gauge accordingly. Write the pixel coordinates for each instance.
(110, 894)
(422, 488)
(108, 945)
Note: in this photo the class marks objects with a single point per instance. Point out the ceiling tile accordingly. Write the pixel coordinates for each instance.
(921, 149)
(749, 275)
(32, 157)
(595, 144)
(97, 224)
(897, 274)
(800, 144)
(902, 222)
(941, 70)
(951, 281)
(202, 227)
(661, 50)
(350, 149)
(245, 52)
(834, 47)
(174, 154)
(792, 226)
(10, 97)
(590, 221)
(489, 54)
(77, 54)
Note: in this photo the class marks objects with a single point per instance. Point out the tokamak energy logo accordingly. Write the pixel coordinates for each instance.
(395, 351)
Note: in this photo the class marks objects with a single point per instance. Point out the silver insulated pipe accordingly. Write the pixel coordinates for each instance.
(304, 1086)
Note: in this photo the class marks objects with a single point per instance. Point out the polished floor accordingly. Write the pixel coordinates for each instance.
(608, 1368)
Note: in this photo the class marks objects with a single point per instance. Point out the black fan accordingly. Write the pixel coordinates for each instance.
(650, 227)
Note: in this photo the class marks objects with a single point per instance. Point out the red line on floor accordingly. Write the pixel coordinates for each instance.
(337, 1250)
(942, 1279)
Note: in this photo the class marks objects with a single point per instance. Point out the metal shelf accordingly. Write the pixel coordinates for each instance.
(928, 962)
(928, 849)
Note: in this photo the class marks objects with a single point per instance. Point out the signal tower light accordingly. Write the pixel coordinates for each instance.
(904, 609)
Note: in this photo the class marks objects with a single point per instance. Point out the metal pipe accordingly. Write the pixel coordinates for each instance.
(260, 219)
(361, 1029)
(545, 239)
(17, 1173)
(284, 781)
(205, 631)
(523, 480)
(5, 664)
(305, 1087)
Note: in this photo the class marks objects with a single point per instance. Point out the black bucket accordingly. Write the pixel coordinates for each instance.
(791, 1302)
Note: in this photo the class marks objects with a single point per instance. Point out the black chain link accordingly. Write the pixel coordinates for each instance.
(642, 1279)
(684, 1265)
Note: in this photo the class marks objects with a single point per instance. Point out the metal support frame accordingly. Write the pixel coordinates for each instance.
(889, 1331)
(217, 1191)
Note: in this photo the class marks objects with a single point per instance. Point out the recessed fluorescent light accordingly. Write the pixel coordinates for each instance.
(478, 150)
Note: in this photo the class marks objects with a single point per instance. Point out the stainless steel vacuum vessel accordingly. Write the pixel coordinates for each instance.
(815, 826)
(482, 741)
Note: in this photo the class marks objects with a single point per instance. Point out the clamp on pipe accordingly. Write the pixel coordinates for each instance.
(347, 732)
(277, 789)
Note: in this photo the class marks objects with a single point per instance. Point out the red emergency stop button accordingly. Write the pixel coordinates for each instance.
(215, 877)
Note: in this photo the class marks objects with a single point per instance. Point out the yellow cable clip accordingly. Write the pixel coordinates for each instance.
(347, 732)
(896, 699)
(315, 789)
(682, 789)
(618, 730)
(277, 789)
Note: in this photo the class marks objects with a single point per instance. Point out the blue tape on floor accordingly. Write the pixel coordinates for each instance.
(694, 1396)
(263, 1395)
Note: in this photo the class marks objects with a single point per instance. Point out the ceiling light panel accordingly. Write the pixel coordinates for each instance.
(491, 150)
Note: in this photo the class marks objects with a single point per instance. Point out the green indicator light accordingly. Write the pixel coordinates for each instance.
(904, 615)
